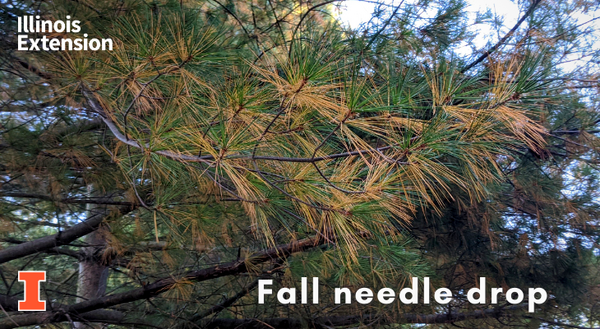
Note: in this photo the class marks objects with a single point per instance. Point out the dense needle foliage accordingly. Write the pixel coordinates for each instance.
(222, 142)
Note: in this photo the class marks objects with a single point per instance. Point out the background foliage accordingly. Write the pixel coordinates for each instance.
(223, 142)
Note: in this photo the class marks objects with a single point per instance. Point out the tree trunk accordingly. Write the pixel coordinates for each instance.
(93, 273)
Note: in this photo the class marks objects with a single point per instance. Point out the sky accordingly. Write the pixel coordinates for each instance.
(355, 12)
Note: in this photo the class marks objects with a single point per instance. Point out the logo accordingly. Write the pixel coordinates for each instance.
(32, 281)
(34, 26)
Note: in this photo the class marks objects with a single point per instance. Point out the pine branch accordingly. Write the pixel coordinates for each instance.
(95, 105)
(557, 323)
(61, 238)
(162, 285)
(366, 319)
(226, 303)
(385, 25)
(98, 316)
(503, 40)
(34, 69)
(574, 132)
(66, 252)
(101, 201)
(304, 16)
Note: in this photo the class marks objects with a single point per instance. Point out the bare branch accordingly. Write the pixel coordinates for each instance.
(162, 285)
(227, 302)
(367, 319)
(61, 238)
(104, 201)
(503, 40)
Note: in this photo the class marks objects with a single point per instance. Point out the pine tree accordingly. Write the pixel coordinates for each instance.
(221, 143)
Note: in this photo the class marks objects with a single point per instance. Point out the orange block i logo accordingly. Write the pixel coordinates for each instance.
(32, 300)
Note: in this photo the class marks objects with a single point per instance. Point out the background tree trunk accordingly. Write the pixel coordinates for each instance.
(93, 273)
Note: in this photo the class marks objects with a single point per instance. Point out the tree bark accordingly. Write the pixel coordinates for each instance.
(93, 273)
